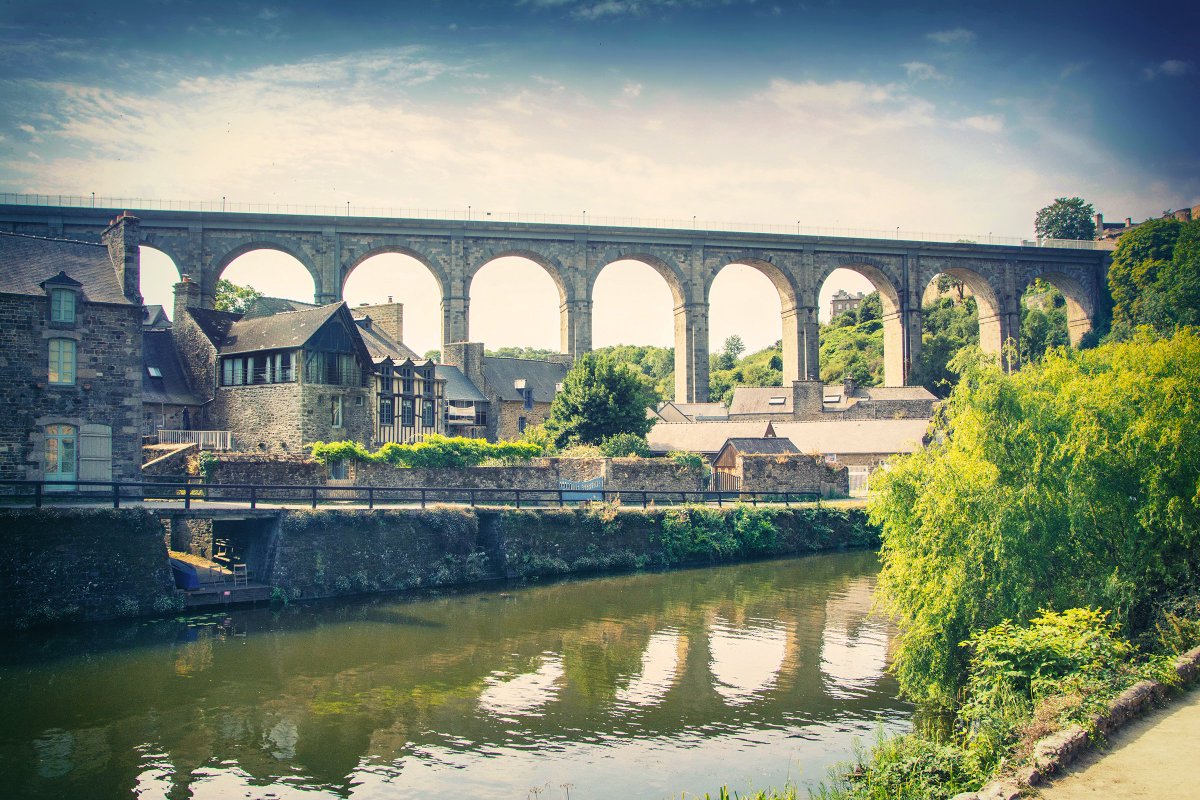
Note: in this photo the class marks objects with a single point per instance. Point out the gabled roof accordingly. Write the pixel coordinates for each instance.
(669, 412)
(266, 306)
(154, 316)
(866, 436)
(28, 261)
(758, 400)
(701, 437)
(501, 375)
(764, 446)
(170, 385)
(894, 393)
(213, 324)
(698, 411)
(458, 385)
(290, 329)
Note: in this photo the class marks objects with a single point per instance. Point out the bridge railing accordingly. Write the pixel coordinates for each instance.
(186, 492)
(470, 214)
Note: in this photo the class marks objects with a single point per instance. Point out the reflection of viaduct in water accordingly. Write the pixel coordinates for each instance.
(478, 673)
(203, 244)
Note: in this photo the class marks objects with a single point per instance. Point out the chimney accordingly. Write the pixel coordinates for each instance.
(467, 356)
(389, 318)
(121, 238)
(1099, 225)
(807, 399)
(187, 295)
(1129, 222)
(848, 386)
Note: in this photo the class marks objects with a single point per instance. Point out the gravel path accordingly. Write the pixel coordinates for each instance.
(1158, 756)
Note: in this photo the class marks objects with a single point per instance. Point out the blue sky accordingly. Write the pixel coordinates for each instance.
(959, 117)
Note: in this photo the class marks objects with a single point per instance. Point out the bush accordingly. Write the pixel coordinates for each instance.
(436, 451)
(625, 444)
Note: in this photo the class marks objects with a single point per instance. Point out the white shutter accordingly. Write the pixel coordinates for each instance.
(95, 453)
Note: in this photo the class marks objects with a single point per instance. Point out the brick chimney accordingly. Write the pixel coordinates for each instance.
(187, 295)
(121, 238)
(808, 398)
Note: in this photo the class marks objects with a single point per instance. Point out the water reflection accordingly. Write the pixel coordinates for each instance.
(643, 685)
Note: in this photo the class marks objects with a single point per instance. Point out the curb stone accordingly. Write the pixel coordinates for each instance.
(1052, 754)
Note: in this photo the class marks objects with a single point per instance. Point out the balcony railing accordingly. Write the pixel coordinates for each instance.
(205, 440)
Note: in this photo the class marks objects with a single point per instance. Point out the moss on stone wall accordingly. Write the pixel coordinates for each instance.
(64, 565)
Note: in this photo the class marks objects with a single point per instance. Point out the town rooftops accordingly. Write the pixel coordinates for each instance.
(703, 437)
(163, 379)
(762, 400)
(866, 436)
(289, 329)
(381, 345)
(458, 387)
(770, 445)
(28, 261)
(502, 374)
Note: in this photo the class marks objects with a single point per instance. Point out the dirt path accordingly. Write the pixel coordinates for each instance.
(1157, 756)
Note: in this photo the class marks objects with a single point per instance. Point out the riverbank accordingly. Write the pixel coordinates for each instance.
(72, 565)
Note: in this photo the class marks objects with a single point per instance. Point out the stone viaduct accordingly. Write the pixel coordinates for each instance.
(202, 244)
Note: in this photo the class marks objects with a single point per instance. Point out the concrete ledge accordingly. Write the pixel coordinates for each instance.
(1057, 751)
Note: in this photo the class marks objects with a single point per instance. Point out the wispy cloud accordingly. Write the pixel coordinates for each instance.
(1171, 68)
(984, 123)
(920, 71)
(954, 36)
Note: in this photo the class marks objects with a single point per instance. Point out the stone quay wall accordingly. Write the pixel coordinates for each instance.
(77, 565)
(67, 565)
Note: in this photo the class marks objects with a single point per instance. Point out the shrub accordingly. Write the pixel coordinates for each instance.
(436, 451)
(625, 444)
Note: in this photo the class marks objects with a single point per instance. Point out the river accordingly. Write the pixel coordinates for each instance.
(635, 686)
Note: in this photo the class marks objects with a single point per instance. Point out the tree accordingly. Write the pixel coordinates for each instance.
(235, 298)
(1066, 218)
(1155, 277)
(1069, 483)
(734, 346)
(599, 399)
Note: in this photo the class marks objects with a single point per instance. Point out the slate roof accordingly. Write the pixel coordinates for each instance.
(895, 393)
(669, 412)
(501, 374)
(27, 261)
(763, 446)
(158, 350)
(266, 306)
(278, 331)
(700, 437)
(213, 324)
(458, 385)
(867, 436)
(381, 345)
(695, 411)
(153, 316)
(756, 400)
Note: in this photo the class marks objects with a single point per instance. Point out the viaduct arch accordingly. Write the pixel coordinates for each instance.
(203, 243)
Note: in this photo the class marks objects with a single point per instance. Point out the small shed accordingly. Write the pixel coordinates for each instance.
(726, 466)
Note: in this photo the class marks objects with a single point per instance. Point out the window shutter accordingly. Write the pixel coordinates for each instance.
(95, 453)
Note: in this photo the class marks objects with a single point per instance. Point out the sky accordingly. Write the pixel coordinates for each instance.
(958, 117)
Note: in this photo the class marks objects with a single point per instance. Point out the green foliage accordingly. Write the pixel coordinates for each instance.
(433, 355)
(232, 297)
(949, 327)
(1066, 218)
(761, 368)
(693, 463)
(600, 398)
(904, 768)
(1043, 321)
(435, 451)
(206, 463)
(853, 349)
(529, 353)
(1072, 482)
(625, 444)
(655, 364)
(1154, 278)
(538, 435)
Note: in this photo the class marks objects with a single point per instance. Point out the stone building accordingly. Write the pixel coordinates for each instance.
(71, 357)
(842, 301)
(277, 381)
(519, 391)
(1109, 231)
(730, 459)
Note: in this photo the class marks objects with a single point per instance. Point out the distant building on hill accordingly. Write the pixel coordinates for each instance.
(1114, 230)
(842, 301)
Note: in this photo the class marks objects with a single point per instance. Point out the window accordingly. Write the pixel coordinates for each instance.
(481, 415)
(520, 424)
(62, 361)
(406, 413)
(62, 305)
(154, 372)
(528, 393)
(427, 413)
(339, 470)
(831, 458)
(358, 401)
(335, 408)
(387, 411)
(60, 456)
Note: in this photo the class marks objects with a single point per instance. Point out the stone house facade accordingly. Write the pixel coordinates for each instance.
(71, 358)
(519, 391)
(277, 381)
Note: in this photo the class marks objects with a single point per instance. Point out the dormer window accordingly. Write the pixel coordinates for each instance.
(62, 305)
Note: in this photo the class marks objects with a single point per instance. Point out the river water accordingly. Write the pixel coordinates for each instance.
(637, 686)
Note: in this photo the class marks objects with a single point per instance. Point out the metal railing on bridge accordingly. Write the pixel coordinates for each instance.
(585, 219)
(205, 440)
(188, 491)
